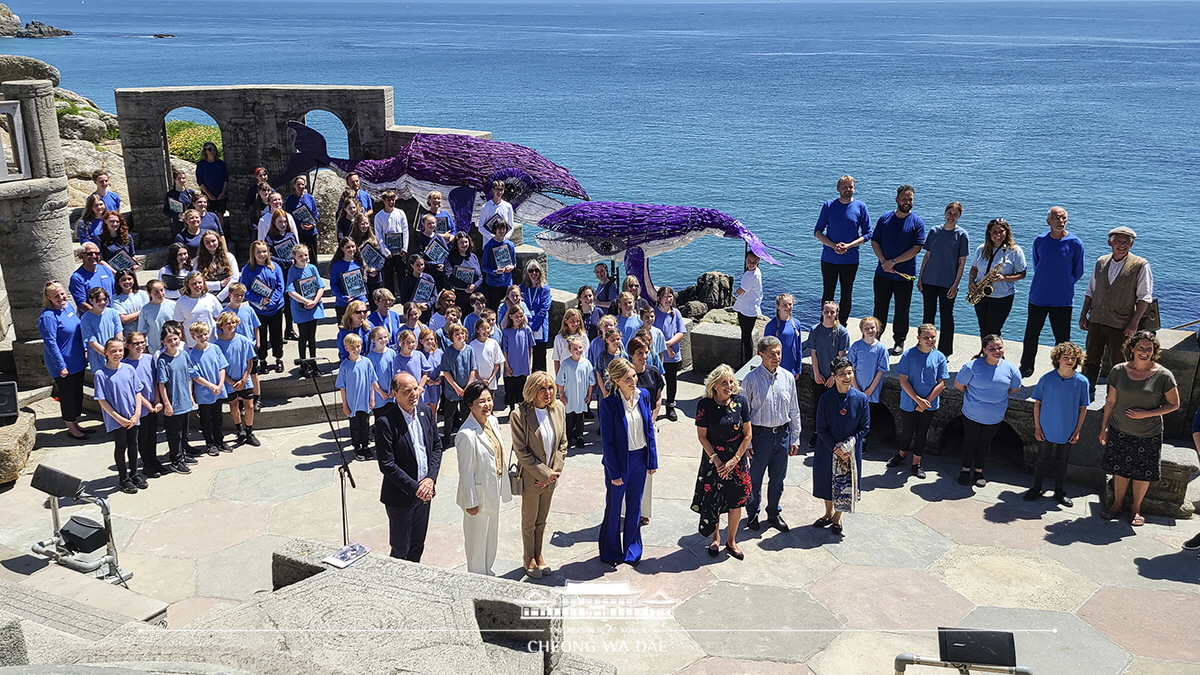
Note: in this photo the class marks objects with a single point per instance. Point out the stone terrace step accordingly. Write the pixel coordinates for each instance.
(57, 612)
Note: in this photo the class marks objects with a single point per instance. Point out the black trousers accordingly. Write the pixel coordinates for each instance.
(453, 414)
(977, 442)
(407, 526)
(514, 391)
(148, 443)
(574, 425)
(833, 274)
(309, 239)
(176, 430)
(493, 294)
(885, 290)
(746, 323)
(914, 430)
(210, 423)
(539, 357)
(818, 390)
(394, 269)
(935, 302)
(307, 333)
(1060, 325)
(125, 451)
(271, 331)
(70, 395)
(671, 375)
(992, 313)
(1051, 459)
(360, 430)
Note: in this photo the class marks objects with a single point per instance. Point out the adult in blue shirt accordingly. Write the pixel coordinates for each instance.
(842, 227)
(670, 321)
(946, 251)
(536, 293)
(91, 274)
(923, 372)
(986, 383)
(63, 353)
(1061, 399)
(300, 197)
(1057, 266)
(213, 178)
(898, 238)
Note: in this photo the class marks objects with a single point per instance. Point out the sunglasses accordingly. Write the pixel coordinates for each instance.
(360, 311)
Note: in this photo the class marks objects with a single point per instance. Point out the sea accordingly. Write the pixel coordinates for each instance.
(752, 108)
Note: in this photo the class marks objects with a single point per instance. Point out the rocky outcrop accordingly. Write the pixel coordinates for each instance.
(87, 127)
(9, 23)
(63, 98)
(693, 309)
(37, 29)
(13, 67)
(714, 289)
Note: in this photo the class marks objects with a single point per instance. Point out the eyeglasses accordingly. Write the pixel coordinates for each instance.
(360, 311)
(90, 253)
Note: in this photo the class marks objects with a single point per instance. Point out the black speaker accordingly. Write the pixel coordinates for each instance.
(983, 647)
(56, 483)
(8, 403)
(83, 535)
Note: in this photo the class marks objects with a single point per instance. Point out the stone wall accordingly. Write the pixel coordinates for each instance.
(253, 121)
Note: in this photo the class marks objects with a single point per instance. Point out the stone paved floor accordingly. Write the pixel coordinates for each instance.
(1084, 596)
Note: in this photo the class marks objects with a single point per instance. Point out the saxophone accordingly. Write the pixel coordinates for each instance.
(983, 287)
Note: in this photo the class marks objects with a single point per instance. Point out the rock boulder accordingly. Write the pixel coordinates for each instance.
(81, 127)
(693, 309)
(714, 289)
(9, 25)
(13, 67)
(37, 29)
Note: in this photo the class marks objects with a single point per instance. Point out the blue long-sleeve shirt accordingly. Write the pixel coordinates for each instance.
(1057, 265)
(272, 276)
(62, 341)
(292, 202)
(537, 299)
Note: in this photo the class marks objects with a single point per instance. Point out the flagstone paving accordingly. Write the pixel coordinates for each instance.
(1082, 595)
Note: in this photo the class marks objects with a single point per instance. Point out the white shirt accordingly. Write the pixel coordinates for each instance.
(1145, 280)
(491, 208)
(1013, 261)
(487, 356)
(633, 421)
(546, 429)
(189, 310)
(418, 442)
(386, 222)
(215, 287)
(750, 302)
(264, 226)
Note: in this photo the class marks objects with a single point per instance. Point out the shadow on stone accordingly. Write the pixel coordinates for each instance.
(1086, 530)
(1181, 566)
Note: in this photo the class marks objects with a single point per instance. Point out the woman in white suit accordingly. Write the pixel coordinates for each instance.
(482, 484)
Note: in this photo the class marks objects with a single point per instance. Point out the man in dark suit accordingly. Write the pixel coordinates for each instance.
(409, 451)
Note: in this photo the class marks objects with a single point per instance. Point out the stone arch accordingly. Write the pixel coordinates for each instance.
(337, 139)
(174, 113)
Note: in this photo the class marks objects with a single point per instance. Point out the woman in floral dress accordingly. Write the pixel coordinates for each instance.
(723, 482)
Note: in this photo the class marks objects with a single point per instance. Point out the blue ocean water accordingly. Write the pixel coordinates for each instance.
(753, 108)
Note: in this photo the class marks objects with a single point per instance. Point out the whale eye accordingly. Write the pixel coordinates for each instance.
(608, 245)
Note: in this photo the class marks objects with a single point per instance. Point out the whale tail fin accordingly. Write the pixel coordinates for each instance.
(310, 152)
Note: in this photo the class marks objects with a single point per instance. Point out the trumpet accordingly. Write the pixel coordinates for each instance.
(983, 287)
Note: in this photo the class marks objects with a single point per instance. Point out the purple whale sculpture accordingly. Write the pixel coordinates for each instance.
(590, 232)
(462, 166)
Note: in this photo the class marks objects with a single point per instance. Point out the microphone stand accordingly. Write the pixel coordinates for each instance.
(344, 469)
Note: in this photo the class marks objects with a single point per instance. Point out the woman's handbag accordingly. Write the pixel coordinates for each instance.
(515, 477)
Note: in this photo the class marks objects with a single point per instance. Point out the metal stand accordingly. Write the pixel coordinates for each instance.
(105, 568)
(905, 660)
(343, 470)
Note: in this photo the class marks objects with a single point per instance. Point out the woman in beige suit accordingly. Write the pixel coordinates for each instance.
(482, 484)
(539, 436)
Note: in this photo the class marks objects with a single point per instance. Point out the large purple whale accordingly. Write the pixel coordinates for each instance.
(591, 232)
(461, 166)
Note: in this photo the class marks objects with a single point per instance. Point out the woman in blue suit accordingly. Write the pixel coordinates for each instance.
(627, 438)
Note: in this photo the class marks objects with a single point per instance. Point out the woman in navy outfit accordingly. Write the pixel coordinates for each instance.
(843, 414)
(625, 467)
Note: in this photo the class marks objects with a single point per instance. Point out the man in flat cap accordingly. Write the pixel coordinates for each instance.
(1118, 294)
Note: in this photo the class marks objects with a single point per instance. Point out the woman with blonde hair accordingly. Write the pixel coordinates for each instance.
(629, 455)
(354, 320)
(64, 354)
(539, 437)
(196, 304)
(723, 482)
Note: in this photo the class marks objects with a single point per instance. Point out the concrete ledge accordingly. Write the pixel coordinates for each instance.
(12, 641)
(16, 442)
(715, 343)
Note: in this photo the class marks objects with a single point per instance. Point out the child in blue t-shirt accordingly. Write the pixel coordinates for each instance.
(431, 350)
(143, 365)
(574, 380)
(175, 391)
(387, 363)
(516, 341)
(357, 382)
(209, 390)
(1060, 402)
(306, 311)
(870, 359)
(239, 352)
(121, 395)
(248, 326)
(458, 370)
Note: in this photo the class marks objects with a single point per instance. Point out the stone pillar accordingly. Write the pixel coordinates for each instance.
(35, 231)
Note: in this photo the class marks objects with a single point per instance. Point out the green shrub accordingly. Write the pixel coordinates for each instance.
(187, 139)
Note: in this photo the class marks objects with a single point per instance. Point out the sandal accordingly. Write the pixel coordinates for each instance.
(1107, 515)
(836, 528)
(1137, 520)
(823, 522)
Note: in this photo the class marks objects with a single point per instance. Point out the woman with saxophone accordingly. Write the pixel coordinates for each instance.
(997, 265)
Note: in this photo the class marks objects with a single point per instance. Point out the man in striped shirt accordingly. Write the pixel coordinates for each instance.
(775, 417)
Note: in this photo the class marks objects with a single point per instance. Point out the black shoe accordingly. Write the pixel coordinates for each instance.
(964, 478)
(836, 528)
(224, 447)
(1032, 495)
(634, 563)
(777, 523)
(897, 349)
(140, 481)
(87, 432)
(1192, 544)
(752, 522)
(241, 437)
(179, 467)
(980, 481)
(714, 549)
(290, 334)
(896, 460)
(188, 459)
(1063, 500)
(128, 487)
(252, 440)
(360, 455)
(257, 406)
(1026, 372)
(671, 413)
(822, 522)
(155, 473)
(279, 365)
(213, 451)
(918, 471)
(589, 415)
(736, 554)
(812, 442)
